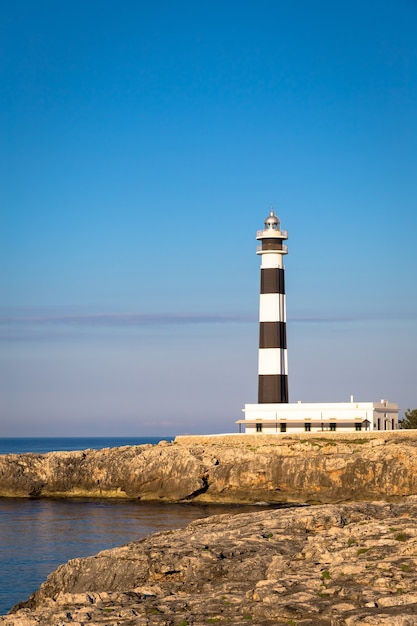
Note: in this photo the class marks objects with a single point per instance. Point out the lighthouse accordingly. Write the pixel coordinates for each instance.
(273, 414)
(272, 361)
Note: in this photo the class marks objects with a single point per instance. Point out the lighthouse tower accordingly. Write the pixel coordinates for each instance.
(272, 364)
(273, 413)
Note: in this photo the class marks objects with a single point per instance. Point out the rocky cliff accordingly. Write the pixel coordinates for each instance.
(348, 564)
(329, 565)
(325, 468)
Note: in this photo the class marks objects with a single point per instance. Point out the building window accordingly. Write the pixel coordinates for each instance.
(258, 427)
(283, 428)
(332, 426)
(358, 426)
(379, 423)
(307, 427)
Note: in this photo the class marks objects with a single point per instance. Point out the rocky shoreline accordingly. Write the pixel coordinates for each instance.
(350, 561)
(328, 565)
(319, 468)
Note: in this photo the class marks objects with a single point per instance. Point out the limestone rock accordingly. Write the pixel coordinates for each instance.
(328, 565)
(311, 468)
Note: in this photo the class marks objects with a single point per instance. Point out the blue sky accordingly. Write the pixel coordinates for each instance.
(141, 147)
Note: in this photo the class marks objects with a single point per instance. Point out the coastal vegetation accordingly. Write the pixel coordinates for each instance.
(410, 419)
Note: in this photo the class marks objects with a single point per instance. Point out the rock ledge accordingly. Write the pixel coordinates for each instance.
(351, 565)
(310, 468)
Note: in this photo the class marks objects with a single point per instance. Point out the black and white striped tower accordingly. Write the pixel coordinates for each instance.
(272, 365)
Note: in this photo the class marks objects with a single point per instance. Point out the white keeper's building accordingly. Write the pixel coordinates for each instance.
(273, 413)
(298, 417)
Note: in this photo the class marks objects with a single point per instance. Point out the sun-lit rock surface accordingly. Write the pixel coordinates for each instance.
(311, 468)
(348, 564)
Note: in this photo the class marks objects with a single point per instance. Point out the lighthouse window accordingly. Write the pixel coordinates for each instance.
(258, 427)
(283, 428)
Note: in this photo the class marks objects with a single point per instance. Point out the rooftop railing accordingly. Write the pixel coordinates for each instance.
(282, 250)
(270, 232)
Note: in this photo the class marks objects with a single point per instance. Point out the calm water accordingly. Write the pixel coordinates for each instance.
(38, 535)
(41, 445)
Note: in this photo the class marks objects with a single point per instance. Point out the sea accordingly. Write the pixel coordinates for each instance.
(37, 535)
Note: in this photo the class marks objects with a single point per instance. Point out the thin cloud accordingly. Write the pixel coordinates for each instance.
(331, 319)
(66, 326)
(20, 325)
(122, 319)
